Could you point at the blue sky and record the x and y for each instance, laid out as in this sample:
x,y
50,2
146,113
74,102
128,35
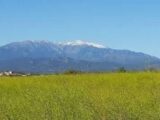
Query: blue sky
x,y
120,24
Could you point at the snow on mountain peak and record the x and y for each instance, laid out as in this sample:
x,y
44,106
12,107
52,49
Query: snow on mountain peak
x,y
81,42
45,42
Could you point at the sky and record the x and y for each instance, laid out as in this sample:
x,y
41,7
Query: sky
x,y
119,24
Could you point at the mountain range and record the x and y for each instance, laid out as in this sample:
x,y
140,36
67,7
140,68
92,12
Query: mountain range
x,y
48,57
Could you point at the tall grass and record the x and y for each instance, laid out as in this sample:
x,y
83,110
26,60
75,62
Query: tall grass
x,y
112,96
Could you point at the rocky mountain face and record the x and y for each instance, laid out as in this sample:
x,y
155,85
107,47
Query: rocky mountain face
x,y
48,57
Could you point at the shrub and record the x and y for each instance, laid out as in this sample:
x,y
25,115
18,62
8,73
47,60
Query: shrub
x,y
122,69
72,72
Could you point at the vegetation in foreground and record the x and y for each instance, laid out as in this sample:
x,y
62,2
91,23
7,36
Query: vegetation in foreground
x,y
112,96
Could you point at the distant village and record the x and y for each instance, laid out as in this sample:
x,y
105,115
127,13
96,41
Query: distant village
x,y
11,73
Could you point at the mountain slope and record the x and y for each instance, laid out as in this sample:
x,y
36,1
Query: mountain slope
x,y
48,57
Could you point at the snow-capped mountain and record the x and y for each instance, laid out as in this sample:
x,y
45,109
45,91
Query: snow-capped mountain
x,y
47,57
82,43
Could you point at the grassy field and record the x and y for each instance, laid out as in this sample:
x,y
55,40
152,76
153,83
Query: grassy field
x,y
112,96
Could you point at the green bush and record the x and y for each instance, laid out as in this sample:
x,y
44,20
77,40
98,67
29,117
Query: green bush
x,y
72,72
122,69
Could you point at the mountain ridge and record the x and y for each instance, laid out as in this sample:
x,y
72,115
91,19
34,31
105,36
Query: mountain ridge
x,y
28,56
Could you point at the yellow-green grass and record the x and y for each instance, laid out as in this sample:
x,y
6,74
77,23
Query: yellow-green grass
x,y
112,96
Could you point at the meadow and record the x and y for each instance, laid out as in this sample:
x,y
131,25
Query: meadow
x,y
103,96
